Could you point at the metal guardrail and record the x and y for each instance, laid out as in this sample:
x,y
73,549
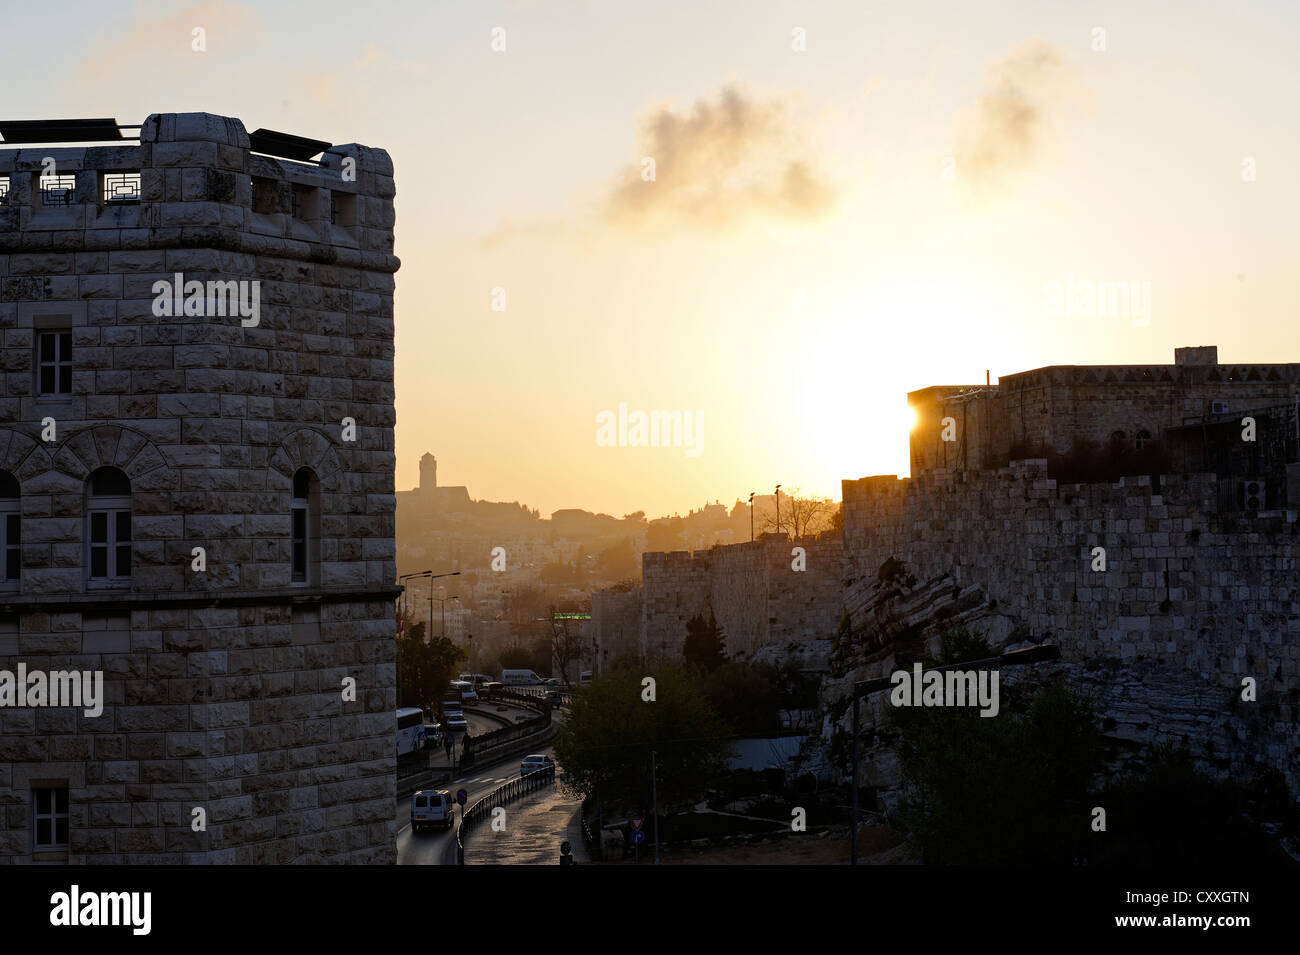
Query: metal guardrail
x,y
499,797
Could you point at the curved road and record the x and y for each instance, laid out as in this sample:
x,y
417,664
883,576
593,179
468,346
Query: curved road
x,y
433,846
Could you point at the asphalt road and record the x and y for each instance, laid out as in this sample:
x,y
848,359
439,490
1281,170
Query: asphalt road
x,y
433,847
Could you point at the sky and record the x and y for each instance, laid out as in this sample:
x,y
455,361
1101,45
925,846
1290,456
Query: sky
x,y
847,201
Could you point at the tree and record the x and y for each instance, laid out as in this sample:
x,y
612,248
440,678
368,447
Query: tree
x,y
618,561
1010,790
801,516
606,742
665,534
566,644
705,643
746,697
425,669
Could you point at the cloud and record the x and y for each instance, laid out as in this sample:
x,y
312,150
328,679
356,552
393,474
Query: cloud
x,y
136,50
1005,134
727,159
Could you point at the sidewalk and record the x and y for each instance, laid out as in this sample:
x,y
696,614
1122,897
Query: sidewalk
x,y
536,824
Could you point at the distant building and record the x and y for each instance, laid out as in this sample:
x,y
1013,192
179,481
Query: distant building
x,y
1191,410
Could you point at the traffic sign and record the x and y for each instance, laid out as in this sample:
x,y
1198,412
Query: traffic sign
x,y
638,837
461,796
636,822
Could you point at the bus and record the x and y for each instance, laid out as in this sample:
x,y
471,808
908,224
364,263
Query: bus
x,y
410,730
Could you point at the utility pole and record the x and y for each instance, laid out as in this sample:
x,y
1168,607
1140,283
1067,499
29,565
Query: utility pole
x,y
778,509
751,517
654,799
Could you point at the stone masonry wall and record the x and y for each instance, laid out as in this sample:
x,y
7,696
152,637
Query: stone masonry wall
x,y
1206,594
223,686
750,588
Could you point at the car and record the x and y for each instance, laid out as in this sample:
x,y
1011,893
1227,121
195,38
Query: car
x,y
455,720
551,681
432,735
553,696
432,807
534,763
491,690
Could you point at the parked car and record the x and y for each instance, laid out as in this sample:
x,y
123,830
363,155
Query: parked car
x,y
432,807
532,764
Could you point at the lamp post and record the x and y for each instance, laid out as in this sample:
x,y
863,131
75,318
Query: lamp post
x,y
778,509
422,573
429,633
443,601
751,517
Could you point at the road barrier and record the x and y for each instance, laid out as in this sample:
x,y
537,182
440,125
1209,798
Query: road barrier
x,y
499,797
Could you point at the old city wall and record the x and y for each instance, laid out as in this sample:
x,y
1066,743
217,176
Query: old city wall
x,y
752,590
1209,595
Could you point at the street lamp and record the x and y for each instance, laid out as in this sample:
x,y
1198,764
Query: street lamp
x,y
443,602
422,573
751,517
778,509
455,573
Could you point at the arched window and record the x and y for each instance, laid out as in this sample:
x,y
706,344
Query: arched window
x,y
11,541
1143,437
304,547
108,526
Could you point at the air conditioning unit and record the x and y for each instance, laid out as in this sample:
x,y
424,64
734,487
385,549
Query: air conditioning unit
x,y
1253,495
1218,407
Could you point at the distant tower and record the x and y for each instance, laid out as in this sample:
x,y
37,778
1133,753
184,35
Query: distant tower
x,y
428,476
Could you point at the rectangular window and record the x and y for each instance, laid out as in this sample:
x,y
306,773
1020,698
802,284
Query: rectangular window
x,y
50,818
121,187
110,543
4,190
57,190
300,544
11,545
54,362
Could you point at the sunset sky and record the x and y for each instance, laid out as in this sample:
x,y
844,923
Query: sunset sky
x,y
801,260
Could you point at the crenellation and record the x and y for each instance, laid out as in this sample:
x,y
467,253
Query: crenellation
x,y
204,702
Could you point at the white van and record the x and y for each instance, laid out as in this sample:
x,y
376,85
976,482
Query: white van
x,y
584,678
432,807
520,678
466,691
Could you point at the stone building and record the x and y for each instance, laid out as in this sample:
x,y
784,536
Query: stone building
x,y
196,470
1192,408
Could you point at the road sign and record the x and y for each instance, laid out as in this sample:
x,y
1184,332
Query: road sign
x,y
638,837
636,822
461,796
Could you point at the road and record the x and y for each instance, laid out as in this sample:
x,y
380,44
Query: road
x,y
431,847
